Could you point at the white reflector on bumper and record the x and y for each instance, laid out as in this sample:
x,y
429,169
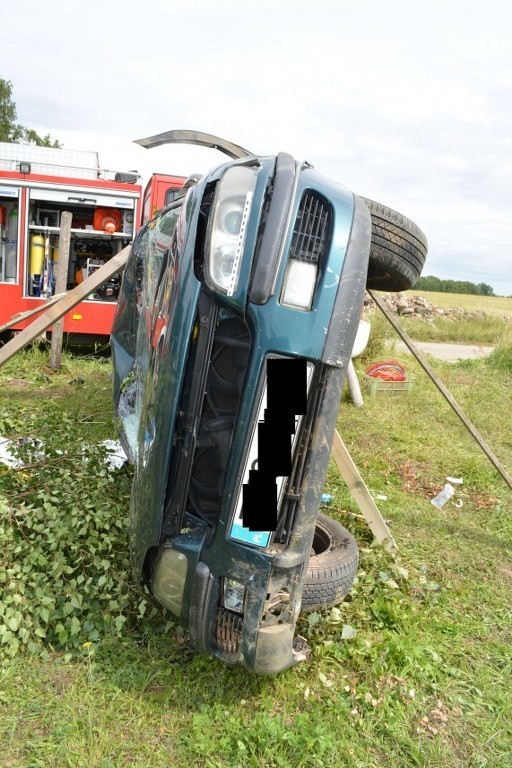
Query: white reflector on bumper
x,y
299,284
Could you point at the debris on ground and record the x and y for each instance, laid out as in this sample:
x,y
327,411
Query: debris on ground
x,y
443,496
9,449
417,306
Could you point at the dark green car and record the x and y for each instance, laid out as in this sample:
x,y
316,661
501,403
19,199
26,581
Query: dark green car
x,y
235,325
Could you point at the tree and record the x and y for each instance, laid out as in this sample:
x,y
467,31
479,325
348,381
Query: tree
x,y
431,283
485,290
10,130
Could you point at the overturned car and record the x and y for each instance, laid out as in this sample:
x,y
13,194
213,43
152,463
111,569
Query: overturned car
x,y
237,316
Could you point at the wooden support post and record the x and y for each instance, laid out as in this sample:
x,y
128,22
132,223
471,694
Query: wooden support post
x,y
443,390
61,285
353,385
361,494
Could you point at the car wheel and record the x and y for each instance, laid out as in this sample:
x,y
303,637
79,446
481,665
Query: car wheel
x,y
398,250
332,565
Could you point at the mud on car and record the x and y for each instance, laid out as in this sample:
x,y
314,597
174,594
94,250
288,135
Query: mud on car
x,y
238,312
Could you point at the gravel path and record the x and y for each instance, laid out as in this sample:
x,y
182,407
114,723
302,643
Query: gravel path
x,y
448,352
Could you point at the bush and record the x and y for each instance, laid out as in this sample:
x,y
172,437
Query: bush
x,y
64,558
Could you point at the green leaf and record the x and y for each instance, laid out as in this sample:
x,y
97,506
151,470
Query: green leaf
x,y
75,626
119,621
400,571
348,632
325,680
14,621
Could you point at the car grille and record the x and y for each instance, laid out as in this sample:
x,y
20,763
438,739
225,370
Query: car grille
x,y
312,230
228,632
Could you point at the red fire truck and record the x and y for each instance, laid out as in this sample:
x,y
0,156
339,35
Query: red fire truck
x,y
36,185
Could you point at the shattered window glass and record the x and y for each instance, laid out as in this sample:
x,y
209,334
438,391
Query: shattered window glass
x,y
150,263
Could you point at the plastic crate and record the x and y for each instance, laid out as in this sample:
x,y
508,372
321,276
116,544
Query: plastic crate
x,y
380,387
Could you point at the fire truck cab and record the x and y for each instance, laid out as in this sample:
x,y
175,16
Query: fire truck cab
x,y
161,190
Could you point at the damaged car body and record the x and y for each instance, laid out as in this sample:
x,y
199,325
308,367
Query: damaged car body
x,y
238,312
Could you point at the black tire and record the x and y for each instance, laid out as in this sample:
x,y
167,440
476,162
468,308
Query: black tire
x,y
332,565
398,250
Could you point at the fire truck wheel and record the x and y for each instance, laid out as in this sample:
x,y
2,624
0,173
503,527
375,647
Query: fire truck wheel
x,y
398,250
332,565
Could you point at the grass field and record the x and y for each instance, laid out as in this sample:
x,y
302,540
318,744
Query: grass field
x,y
413,670
486,322
492,305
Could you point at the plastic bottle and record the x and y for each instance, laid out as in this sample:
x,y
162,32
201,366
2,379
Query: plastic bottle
x,y
444,496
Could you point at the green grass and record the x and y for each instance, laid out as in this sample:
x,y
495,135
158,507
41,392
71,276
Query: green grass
x,y
483,330
413,670
492,305
501,357
487,318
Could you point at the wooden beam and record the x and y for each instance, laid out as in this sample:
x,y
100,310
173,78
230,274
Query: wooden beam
x,y
20,316
443,390
361,494
116,264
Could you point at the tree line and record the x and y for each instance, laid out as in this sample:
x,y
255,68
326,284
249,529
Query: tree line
x,y
431,283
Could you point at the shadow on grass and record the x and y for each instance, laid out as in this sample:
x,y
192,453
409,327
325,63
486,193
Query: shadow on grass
x,y
168,671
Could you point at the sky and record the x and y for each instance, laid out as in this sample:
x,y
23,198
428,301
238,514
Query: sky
x,y
406,103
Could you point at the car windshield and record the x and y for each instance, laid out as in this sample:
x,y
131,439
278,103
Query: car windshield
x,y
150,258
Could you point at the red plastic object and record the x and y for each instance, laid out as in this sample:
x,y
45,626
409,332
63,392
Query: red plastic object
x,y
107,220
389,370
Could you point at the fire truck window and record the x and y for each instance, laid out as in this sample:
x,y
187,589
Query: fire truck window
x,y
171,195
8,240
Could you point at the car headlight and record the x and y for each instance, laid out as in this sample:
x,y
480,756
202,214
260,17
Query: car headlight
x,y
232,205
299,284
233,595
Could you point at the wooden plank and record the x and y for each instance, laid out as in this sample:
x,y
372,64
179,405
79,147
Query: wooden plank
x,y
61,284
443,390
116,264
20,316
361,494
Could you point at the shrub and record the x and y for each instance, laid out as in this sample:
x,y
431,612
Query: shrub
x,y
64,562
